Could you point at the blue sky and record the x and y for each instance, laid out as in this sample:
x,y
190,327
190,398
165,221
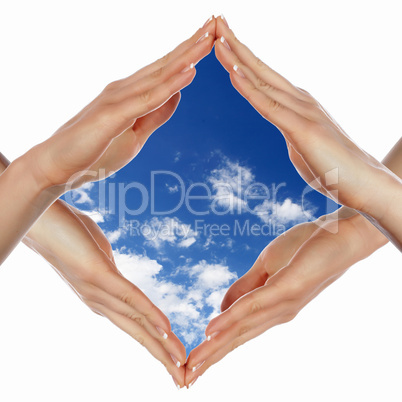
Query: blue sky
x,y
218,147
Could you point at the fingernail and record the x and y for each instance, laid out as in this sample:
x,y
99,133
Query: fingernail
x,y
195,368
176,383
192,382
225,43
224,20
175,360
212,336
188,68
238,71
208,21
200,39
162,332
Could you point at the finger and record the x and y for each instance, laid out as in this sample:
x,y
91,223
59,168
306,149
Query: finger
x,y
174,54
247,58
275,256
194,54
254,278
228,59
125,291
139,333
155,66
127,145
287,120
146,125
168,339
118,108
215,353
113,119
249,304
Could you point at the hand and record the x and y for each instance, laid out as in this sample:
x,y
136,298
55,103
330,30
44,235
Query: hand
x,y
112,129
288,274
321,151
80,253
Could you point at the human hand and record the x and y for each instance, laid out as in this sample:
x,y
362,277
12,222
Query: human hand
x,y
112,129
321,151
291,271
81,254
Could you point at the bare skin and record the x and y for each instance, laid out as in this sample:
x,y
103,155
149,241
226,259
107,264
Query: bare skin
x,y
106,135
102,138
111,130
323,154
77,249
298,265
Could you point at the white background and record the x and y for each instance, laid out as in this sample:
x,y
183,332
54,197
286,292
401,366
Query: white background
x,y
57,56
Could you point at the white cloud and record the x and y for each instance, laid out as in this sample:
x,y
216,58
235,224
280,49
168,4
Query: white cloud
x,y
204,285
229,183
158,232
172,189
80,195
187,242
211,276
114,235
284,212
177,156
235,185
208,242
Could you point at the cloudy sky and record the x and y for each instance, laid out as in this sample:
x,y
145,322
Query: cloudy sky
x,y
194,209
57,56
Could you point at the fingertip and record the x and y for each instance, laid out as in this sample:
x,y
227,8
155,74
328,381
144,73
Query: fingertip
x,y
221,25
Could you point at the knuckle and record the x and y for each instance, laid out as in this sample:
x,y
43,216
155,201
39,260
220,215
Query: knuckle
x,y
112,86
288,316
273,105
243,330
255,307
236,343
264,85
165,59
303,91
139,339
260,63
307,97
158,72
127,298
145,97
139,319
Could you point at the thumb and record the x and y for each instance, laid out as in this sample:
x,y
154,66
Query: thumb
x,y
275,256
146,125
254,278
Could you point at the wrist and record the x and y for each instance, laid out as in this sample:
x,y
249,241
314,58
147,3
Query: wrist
x,y
385,194
365,236
358,236
384,208
29,168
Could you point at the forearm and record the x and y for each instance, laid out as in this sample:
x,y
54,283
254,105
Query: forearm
x,y
386,213
361,232
22,202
